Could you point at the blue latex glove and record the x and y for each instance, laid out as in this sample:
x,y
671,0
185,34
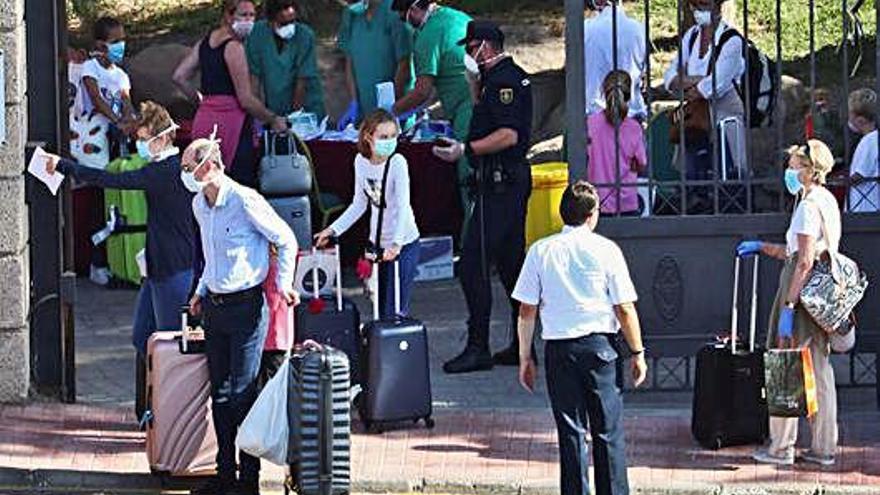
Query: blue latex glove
x,y
747,248
349,117
786,323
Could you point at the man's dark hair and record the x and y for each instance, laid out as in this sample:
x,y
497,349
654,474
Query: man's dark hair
x,y
579,201
273,7
103,26
496,45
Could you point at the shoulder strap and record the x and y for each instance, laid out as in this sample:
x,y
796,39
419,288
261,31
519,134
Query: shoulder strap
x,y
382,203
693,39
725,36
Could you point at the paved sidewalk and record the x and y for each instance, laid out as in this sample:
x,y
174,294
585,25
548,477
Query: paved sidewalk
x,y
490,435
506,448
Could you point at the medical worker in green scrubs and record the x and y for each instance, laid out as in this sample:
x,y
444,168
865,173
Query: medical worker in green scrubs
x,y
378,48
281,55
439,64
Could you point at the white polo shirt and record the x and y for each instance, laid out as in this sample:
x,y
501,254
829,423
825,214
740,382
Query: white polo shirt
x,y
575,278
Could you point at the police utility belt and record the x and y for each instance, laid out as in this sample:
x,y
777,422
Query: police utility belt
x,y
490,175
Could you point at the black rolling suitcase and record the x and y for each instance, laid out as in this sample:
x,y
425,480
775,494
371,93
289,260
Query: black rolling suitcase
x,y
337,324
319,416
396,375
730,407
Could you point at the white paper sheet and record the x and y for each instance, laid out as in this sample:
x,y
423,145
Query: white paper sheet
x,y
37,168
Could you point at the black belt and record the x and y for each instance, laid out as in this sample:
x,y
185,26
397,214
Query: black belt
x,y
235,297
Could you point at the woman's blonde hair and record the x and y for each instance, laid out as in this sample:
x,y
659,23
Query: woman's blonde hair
x,y
817,156
154,118
617,91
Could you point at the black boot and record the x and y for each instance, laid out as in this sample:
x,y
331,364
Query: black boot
x,y
473,358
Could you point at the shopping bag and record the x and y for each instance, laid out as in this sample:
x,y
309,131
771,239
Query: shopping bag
x,y
790,382
264,431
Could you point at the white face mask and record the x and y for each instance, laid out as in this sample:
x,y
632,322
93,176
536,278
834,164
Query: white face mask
x,y
242,28
703,17
470,63
286,31
189,180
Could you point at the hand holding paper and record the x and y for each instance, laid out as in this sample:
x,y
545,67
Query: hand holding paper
x,y
43,166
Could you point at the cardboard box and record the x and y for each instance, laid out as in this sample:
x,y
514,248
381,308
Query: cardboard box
x,y
435,259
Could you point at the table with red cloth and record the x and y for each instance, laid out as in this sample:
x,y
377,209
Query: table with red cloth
x,y
433,189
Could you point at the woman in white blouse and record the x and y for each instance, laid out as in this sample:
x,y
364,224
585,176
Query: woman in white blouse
x,y
716,82
815,228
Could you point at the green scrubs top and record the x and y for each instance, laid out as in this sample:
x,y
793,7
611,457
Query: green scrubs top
x,y
375,46
278,70
436,53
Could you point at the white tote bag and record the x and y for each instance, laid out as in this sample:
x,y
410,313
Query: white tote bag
x,y
264,432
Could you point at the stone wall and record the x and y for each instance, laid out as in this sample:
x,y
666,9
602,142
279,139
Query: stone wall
x,y
14,266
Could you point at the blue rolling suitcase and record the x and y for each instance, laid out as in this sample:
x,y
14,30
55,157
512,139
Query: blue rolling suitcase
x,y
395,374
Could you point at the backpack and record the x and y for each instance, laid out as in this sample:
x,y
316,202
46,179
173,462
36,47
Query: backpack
x,y
763,88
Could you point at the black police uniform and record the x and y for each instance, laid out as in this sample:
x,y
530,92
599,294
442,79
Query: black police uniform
x,y
497,230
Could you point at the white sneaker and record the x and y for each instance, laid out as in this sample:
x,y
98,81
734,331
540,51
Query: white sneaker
x,y
820,459
764,456
100,276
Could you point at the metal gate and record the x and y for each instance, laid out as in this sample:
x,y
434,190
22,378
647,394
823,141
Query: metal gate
x,y
681,260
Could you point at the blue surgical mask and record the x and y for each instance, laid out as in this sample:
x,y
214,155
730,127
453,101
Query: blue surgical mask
x,y
116,52
359,7
385,147
143,149
793,181
286,31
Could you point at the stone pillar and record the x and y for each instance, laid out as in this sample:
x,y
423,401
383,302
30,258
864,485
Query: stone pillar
x,y
14,266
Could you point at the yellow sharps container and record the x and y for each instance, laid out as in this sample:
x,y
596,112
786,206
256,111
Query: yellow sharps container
x,y
549,181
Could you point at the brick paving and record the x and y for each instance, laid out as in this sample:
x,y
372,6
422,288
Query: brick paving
x,y
508,447
489,432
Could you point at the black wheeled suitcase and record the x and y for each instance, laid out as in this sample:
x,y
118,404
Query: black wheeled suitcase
x,y
319,416
337,322
396,375
730,406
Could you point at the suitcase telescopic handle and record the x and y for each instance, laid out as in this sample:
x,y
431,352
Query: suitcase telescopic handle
x,y
337,253
184,328
396,289
753,311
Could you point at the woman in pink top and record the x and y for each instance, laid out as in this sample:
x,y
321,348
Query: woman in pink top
x,y
632,159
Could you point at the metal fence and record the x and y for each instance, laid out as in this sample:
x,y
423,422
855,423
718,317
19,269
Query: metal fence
x,y
667,188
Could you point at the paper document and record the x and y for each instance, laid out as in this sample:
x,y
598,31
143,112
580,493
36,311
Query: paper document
x,y
385,97
37,168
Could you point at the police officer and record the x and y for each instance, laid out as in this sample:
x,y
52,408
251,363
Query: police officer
x,y
501,183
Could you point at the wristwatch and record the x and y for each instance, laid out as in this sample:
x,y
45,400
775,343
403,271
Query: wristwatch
x,y
640,351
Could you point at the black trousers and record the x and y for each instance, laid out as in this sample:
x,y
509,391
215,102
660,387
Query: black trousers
x,y
582,382
498,227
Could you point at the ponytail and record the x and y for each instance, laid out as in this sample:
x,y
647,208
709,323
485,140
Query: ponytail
x,y
617,88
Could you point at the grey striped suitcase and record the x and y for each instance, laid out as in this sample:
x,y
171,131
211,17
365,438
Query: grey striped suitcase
x,y
320,422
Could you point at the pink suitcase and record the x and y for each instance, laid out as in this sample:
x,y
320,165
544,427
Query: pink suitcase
x,y
180,431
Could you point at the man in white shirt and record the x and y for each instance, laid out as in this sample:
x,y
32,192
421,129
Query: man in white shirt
x,y
599,54
236,227
581,283
864,194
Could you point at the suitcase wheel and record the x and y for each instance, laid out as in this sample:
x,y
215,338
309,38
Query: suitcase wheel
x,y
429,423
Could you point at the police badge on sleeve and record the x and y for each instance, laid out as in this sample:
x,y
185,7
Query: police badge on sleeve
x,y
506,95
